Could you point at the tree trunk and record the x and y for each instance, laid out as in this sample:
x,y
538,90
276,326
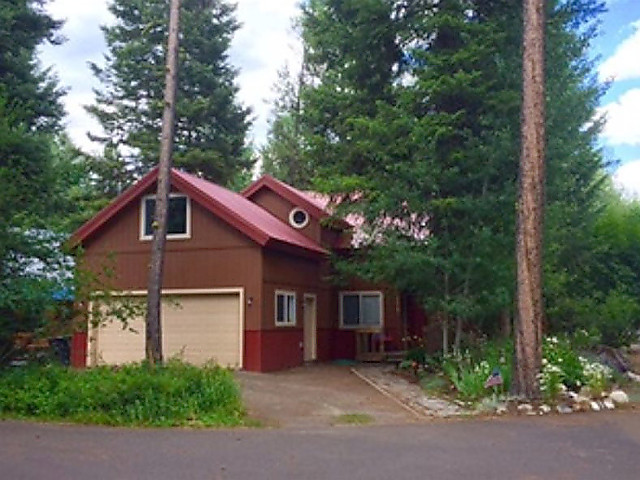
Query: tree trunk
x,y
153,340
505,323
445,318
445,334
530,207
457,339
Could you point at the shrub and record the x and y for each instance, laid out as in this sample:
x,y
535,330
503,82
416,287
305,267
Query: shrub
x,y
467,377
563,366
139,394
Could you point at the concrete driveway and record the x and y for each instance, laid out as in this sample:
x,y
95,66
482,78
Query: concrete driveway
x,y
316,395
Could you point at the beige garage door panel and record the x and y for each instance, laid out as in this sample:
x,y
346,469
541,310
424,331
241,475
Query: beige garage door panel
x,y
196,329
116,346
199,328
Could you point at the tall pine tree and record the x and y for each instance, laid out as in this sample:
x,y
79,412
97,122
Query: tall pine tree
x,y
413,111
210,124
30,115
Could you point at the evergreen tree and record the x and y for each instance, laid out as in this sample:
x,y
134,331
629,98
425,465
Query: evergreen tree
x,y
412,114
210,124
31,94
283,155
30,113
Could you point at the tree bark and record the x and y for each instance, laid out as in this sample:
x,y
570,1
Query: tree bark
x,y
153,340
531,207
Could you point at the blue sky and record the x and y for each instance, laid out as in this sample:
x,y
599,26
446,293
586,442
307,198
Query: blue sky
x,y
618,49
265,43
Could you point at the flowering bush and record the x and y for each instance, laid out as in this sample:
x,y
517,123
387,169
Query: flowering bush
x,y
551,380
466,376
597,376
562,368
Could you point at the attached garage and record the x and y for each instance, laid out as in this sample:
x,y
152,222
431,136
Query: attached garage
x,y
197,327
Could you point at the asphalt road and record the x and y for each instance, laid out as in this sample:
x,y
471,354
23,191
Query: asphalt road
x,y
586,446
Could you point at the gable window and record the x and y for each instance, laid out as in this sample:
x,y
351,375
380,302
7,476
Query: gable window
x,y
360,309
285,308
298,218
178,217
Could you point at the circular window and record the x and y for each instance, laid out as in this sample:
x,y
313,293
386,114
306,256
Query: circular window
x,y
298,218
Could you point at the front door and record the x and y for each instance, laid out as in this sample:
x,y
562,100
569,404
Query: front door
x,y
310,327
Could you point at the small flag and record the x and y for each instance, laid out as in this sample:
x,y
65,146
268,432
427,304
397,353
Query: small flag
x,y
494,379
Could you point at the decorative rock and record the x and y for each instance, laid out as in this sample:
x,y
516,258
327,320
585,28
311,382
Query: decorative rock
x,y
619,397
501,409
525,408
564,409
585,392
633,376
581,404
595,407
544,409
608,404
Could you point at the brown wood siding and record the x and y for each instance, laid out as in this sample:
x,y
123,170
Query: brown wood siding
x,y
281,208
301,275
216,256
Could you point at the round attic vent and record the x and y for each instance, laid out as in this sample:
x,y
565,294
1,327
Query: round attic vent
x,y
298,218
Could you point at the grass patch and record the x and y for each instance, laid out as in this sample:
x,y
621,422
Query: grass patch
x,y
435,384
134,395
354,419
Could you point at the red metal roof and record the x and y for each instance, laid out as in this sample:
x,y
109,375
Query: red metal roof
x,y
239,212
295,196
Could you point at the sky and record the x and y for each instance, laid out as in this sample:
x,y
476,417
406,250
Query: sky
x,y
265,43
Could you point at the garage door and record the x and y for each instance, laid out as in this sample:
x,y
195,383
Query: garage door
x,y
196,329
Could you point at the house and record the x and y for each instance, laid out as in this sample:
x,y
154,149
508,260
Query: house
x,y
246,278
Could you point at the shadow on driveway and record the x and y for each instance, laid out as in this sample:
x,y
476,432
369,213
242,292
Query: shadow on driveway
x,y
316,395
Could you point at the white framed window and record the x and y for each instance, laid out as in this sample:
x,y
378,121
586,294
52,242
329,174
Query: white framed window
x,y
178,218
285,308
298,218
361,309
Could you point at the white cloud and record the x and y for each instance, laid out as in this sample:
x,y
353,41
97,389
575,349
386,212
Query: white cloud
x,y
623,64
627,179
84,44
262,45
623,119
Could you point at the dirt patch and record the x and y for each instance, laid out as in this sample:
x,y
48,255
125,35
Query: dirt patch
x,y
316,395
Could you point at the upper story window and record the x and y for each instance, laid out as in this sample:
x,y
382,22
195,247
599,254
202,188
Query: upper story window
x,y
178,220
298,218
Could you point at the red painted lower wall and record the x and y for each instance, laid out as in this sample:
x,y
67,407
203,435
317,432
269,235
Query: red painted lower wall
x,y
271,350
79,350
252,351
343,344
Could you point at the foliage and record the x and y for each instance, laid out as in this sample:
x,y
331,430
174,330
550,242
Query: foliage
x,y
468,378
30,115
416,131
210,124
283,155
31,94
601,295
176,394
564,368
469,371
